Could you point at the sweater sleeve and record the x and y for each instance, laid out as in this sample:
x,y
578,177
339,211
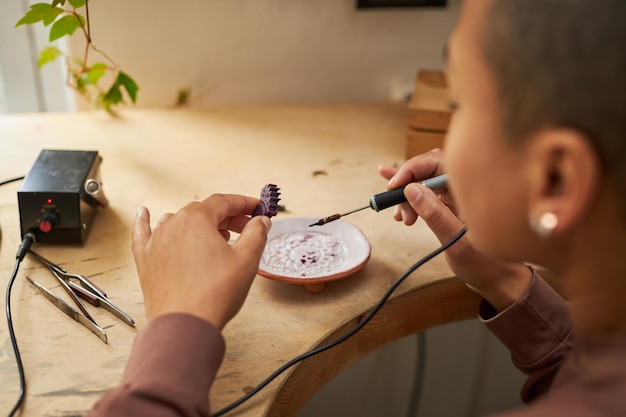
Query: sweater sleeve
x,y
171,367
538,332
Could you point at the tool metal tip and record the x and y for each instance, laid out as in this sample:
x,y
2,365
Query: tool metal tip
x,y
325,220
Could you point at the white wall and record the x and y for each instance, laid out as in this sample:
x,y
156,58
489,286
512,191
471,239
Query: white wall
x,y
23,86
18,77
268,51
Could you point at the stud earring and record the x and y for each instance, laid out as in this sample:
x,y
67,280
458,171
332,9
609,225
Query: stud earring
x,y
544,225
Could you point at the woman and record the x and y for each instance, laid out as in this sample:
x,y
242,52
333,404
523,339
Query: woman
x,y
535,160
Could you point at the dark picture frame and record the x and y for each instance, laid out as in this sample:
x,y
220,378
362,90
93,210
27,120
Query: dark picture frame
x,y
369,4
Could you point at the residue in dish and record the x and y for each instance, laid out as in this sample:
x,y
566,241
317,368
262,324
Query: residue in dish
x,y
304,254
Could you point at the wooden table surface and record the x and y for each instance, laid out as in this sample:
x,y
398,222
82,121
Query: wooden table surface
x,y
325,160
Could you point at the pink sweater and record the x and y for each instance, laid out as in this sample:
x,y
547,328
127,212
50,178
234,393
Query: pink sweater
x,y
567,376
176,357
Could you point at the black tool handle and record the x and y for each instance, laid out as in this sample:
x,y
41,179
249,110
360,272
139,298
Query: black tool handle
x,y
387,199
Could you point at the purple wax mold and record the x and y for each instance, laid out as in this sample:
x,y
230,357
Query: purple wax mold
x,y
269,201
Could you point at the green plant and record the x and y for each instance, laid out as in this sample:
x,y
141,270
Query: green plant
x,y
87,79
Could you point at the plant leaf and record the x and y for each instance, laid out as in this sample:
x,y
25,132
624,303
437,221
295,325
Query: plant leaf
x,y
129,84
40,12
113,96
77,3
56,2
66,25
96,72
47,55
81,82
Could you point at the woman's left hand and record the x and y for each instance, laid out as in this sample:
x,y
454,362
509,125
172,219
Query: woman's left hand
x,y
186,264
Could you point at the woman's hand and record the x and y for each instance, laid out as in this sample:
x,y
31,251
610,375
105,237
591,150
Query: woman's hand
x,y
500,283
185,264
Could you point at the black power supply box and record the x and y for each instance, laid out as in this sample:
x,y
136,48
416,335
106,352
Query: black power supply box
x,y
60,196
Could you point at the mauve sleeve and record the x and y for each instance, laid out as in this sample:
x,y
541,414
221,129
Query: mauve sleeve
x,y
537,330
170,370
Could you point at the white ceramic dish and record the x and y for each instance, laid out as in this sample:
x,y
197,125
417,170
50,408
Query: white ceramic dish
x,y
311,256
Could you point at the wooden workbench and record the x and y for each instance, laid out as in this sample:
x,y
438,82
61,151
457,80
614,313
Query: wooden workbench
x,y
325,160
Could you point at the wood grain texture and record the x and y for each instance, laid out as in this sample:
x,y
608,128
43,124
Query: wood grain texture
x,y
163,158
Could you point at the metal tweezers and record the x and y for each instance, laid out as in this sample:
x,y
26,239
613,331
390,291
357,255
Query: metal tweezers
x,y
86,290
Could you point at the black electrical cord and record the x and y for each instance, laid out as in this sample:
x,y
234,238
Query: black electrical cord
x,y
348,335
11,180
18,358
27,242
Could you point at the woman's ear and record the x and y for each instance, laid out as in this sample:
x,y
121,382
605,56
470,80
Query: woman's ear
x,y
564,178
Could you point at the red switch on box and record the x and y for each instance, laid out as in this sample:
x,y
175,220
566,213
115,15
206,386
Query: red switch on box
x,y
48,222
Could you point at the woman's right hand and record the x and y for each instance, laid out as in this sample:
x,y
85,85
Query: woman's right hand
x,y
500,283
